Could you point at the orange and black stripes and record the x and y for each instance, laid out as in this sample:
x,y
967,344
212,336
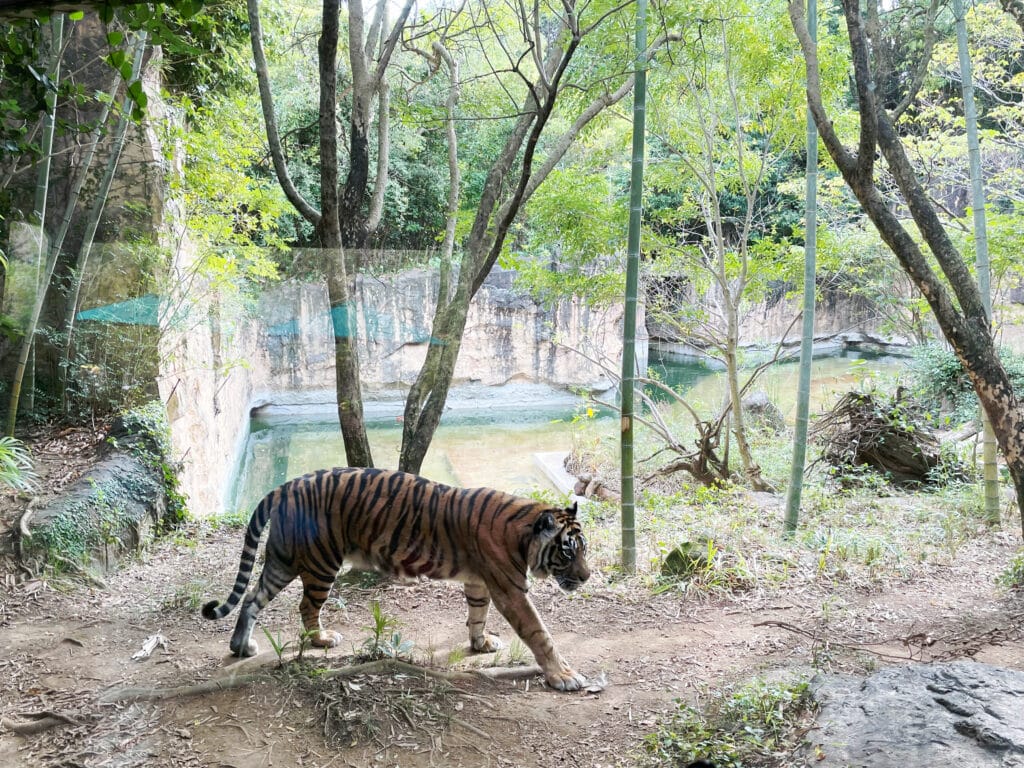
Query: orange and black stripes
x,y
409,527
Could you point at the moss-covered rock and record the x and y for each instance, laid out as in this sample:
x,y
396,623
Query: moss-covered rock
x,y
116,507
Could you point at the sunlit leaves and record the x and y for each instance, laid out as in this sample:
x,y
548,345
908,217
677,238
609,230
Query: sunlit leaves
x,y
936,126
575,228
232,213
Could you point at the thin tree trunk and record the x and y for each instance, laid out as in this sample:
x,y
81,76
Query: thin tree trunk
x,y
41,198
343,311
307,211
416,435
803,394
990,470
356,223
628,380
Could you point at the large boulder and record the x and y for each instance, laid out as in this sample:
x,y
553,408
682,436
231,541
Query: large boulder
x,y
961,713
114,509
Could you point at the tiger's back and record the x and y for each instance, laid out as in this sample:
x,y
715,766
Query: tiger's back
x,y
410,527
399,524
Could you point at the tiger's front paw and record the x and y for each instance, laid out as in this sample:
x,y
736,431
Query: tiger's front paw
x,y
325,638
486,643
565,679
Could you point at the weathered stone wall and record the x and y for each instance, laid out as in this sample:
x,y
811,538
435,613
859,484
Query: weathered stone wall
x,y
839,319
218,367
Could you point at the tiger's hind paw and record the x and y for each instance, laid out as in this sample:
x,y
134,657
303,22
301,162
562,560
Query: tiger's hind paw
x,y
566,680
245,651
486,643
325,638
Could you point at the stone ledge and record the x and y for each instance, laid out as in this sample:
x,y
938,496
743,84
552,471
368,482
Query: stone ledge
x,y
962,713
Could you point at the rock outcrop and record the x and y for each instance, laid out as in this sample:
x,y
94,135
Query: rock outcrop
x,y
962,713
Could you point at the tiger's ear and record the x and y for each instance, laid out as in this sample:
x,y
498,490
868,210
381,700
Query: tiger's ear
x,y
545,526
573,509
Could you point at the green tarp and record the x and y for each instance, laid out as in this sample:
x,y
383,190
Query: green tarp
x,y
144,310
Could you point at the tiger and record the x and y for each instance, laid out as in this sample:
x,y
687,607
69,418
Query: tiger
x,y
406,526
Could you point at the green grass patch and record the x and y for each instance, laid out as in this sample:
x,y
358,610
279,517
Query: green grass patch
x,y
756,724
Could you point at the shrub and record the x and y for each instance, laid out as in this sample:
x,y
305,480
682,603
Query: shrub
x,y
749,726
942,386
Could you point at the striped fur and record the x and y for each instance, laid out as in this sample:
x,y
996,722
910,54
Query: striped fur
x,y
410,527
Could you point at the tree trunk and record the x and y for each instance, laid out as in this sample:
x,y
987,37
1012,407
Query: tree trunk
x,y
343,314
628,381
990,470
425,401
803,397
964,323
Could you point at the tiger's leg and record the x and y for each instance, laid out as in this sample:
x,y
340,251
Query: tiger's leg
x,y
314,594
274,578
479,600
520,613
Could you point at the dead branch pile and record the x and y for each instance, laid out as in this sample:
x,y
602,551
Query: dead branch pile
x,y
889,435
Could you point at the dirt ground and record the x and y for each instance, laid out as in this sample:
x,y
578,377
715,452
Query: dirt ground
x,y
66,645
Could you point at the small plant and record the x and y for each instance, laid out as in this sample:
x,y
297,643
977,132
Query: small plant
x,y
276,643
147,433
701,564
735,729
456,656
513,656
238,518
188,596
306,642
385,641
16,469
1013,576
517,653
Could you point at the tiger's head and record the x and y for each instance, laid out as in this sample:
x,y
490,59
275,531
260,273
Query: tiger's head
x,y
559,548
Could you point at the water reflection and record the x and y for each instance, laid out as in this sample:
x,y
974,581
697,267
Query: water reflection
x,y
495,446
705,387
468,454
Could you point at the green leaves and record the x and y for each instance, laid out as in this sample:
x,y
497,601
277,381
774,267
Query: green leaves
x,y
16,469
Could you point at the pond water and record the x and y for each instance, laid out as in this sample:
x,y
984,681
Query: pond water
x,y
495,445
830,373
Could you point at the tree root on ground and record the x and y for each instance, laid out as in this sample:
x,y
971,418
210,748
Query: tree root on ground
x,y
891,435
37,722
382,666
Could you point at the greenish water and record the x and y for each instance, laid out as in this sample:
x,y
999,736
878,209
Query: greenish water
x,y
467,454
705,388
495,446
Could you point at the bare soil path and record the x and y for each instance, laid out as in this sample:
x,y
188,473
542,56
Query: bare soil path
x,y
64,643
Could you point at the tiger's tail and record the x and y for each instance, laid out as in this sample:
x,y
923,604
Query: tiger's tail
x,y
258,521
